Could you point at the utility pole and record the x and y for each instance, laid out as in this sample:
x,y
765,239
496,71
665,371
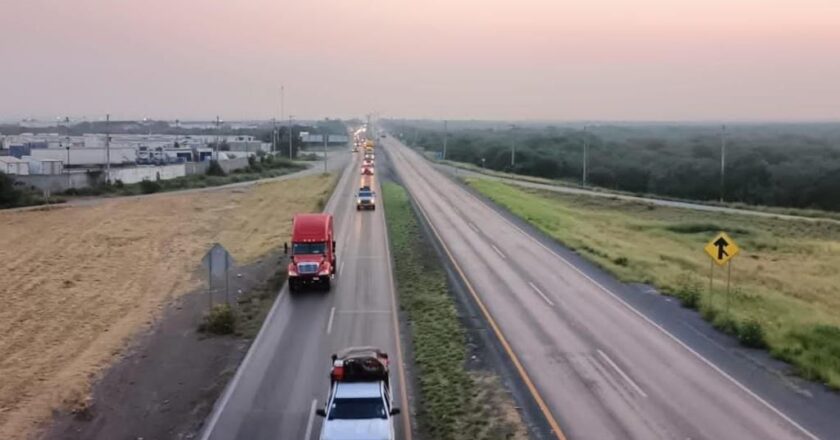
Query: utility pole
x,y
218,129
326,135
722,160
290,137
512,147
107,149
585,152
282,98
445,135
273,135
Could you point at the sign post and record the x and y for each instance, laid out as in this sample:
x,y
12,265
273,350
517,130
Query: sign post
x,y
218,258
722,249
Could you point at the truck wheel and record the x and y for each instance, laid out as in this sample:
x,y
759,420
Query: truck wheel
x,y
293,285
326,284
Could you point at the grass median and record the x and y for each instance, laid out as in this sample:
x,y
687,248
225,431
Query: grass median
x,y
455,403
784,283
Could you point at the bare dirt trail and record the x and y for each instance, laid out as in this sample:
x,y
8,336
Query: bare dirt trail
x,y
77,282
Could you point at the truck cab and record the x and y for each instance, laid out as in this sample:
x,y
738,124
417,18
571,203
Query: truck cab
x,y
359,404
312,261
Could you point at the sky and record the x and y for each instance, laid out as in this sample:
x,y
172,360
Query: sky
x,y
593,60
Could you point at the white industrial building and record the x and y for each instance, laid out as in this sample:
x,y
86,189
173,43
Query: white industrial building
x,y
13,165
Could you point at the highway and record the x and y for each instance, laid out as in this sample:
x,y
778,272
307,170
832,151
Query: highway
x,y
597,367
284,376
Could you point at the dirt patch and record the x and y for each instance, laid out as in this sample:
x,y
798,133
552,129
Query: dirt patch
x,y
166,385
80,281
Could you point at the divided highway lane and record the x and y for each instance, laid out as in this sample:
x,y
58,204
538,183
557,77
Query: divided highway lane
x,y
602,369
284,377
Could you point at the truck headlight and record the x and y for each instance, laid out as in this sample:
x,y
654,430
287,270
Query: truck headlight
x,y
324,272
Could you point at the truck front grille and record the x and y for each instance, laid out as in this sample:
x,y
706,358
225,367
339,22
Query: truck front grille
x,y
307,268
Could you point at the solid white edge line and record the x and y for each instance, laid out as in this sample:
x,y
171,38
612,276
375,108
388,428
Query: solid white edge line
x,y
221,403
544,297
341,268
498,251
311,420
622,373
330,322
472,226
714,367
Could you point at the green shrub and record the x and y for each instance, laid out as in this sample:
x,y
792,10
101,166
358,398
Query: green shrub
x,y
621,261
220,321
215,169
149,186
751,334
726,324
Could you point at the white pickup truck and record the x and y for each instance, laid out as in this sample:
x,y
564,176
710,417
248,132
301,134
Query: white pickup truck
x,y
359,405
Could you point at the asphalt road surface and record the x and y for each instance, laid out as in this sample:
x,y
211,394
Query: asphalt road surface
x,y
449,169
597,366
284,377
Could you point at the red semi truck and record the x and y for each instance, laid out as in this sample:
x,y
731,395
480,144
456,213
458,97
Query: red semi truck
x,y
312,261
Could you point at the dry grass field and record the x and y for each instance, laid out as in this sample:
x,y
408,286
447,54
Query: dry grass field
x,y
79,281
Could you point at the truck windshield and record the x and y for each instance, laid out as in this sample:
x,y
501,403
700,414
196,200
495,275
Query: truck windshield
x,y
358,408
365,193
308,248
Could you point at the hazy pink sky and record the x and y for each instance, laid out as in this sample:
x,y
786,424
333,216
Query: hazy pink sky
x,y
570,60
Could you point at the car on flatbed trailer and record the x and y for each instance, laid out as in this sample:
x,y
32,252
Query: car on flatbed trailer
x,y
359,404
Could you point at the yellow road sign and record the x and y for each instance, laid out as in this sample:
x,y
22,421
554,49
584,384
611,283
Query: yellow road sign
x,y
722,248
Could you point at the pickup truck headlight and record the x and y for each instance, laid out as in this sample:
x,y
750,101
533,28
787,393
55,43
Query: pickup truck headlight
x,y
324,272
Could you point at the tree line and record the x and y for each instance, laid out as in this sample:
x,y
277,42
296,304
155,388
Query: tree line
x,y
788,165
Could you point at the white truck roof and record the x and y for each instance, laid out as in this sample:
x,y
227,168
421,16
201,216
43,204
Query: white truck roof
x,y
357,390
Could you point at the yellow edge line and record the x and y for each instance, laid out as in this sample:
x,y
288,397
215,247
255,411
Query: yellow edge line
x,y
519,367
400,370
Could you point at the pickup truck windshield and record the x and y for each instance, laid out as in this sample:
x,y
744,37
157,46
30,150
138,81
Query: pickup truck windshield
x,y
308,248
356,409
365,193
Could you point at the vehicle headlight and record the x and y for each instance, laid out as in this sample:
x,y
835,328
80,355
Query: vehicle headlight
x,y
324,272
358,201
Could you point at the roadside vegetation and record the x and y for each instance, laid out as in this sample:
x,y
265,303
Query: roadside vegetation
x,y
785,283
244,318
14,196
455,403
784,165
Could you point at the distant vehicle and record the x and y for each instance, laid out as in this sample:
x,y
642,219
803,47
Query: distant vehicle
x,y
355,149
365,199
367,163
313,259
369,156
367,170
359,404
